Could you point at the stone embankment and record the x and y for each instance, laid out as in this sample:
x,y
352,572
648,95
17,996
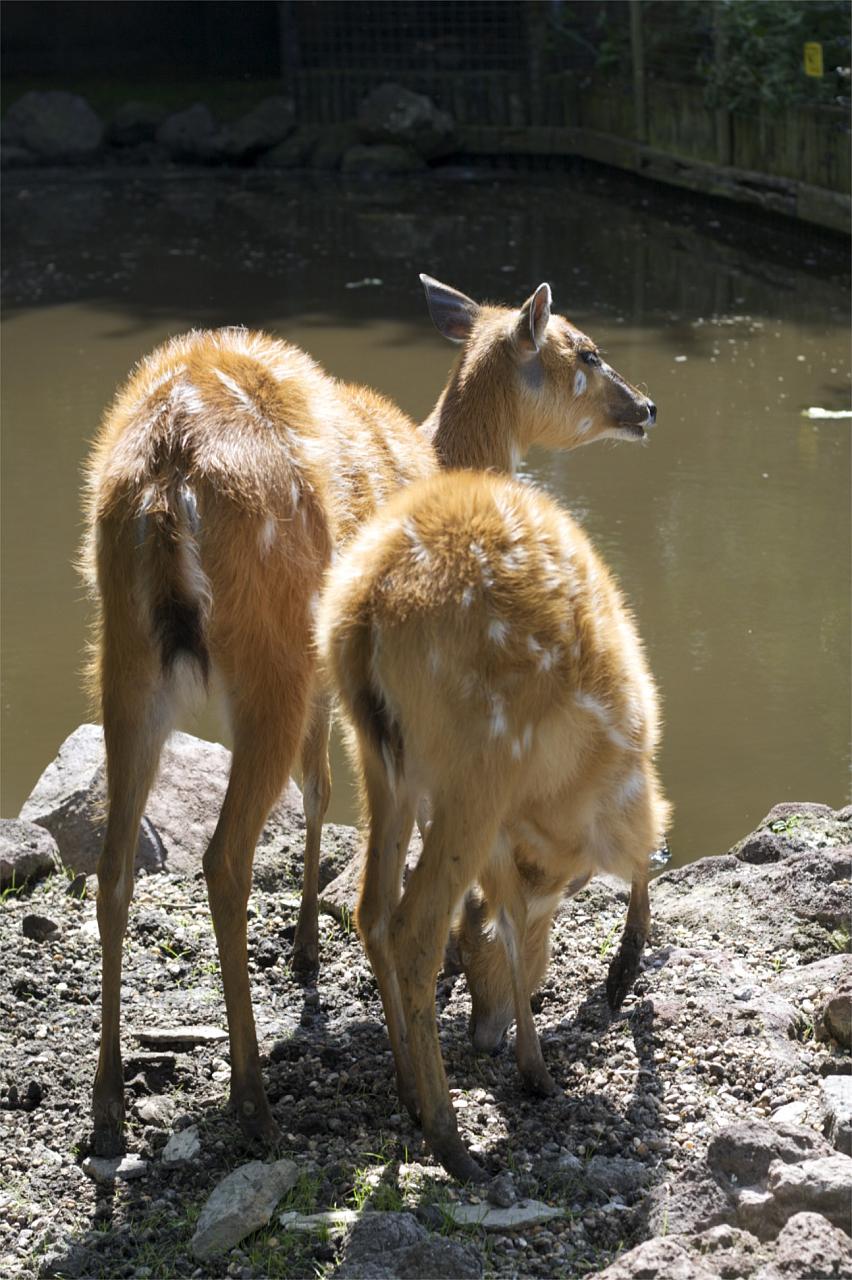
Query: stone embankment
x,y
396,131
704,1132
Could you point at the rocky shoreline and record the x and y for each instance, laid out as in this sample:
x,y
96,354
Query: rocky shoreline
x,y
705,1131
396,131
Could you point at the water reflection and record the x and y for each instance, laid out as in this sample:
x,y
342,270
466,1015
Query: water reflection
x,y
729,531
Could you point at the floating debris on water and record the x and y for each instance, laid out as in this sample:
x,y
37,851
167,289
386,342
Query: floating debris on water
x,y
815,412
366,283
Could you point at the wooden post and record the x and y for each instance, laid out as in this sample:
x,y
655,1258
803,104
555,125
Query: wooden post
x,y
637,48
723,116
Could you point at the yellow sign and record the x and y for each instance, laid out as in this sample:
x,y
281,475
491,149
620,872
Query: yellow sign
x,y
813,59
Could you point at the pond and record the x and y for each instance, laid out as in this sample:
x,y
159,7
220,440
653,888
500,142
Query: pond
x,y
729,531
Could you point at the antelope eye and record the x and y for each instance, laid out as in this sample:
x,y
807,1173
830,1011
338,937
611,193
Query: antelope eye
x,y
591,358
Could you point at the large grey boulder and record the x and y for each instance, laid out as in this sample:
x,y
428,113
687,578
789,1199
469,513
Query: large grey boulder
x,y
810,1248
394,114
27,851
180,816
821,1186
665,1259
742,1153
266,125
189,134
395,1246
837,1103
54,125
835,1020
241,1203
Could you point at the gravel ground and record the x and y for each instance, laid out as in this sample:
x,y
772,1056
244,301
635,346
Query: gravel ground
x,y
720,1026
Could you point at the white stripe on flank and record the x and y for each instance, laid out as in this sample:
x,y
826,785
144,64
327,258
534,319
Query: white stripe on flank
x,y
579,382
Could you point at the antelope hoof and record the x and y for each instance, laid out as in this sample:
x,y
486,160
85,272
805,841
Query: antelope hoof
x,y
457,1160
305,961
108,1127
256,1121
539,1081
624,968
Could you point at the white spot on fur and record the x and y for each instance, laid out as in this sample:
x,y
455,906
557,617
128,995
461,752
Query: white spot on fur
x,y
533,646
631,788
482,558
418,548
515,559
267,536
584,425
467,597
497,715
527,737
514,458
295,495
237,392
579,382
549,658
185,395
498,631
434,660
603,714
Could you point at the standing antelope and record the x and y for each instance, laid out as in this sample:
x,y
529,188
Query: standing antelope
x,y
227,473
486,658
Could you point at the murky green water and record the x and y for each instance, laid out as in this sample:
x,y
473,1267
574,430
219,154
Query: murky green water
x,y
729,532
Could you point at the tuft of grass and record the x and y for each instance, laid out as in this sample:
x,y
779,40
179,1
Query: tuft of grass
x,y
840,939
302,1196
606,945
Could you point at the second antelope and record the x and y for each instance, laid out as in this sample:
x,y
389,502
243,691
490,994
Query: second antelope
x,y
226,475
486,658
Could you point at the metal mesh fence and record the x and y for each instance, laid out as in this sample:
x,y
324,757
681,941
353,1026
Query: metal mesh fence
x,y
720,81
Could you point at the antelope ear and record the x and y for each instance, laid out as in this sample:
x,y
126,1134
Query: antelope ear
x,y
453,313
532,321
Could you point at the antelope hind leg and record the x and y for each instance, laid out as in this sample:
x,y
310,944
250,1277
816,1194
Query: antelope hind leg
x,y
624,967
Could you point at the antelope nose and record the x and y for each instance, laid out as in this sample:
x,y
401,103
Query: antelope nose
x,y
652,413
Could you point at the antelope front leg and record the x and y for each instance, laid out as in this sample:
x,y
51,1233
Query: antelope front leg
x,y
624,967
316,789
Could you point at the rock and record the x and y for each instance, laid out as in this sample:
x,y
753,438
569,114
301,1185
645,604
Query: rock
x,y
694,1202
837,1102
821,1186
135,122
664,1259
761,847
181,1037
332,144
266,125
741,1154
189,134
294,152
385,157
40,928
241,1203
154,1070
181,1148
107,1170
339,898
730,1252
810,1248
835,1018
27,851
78,886
54,125
328,1220
394,114
180,815
13,157
523,1213
615,1175
156,1111
501,1191
387,1246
